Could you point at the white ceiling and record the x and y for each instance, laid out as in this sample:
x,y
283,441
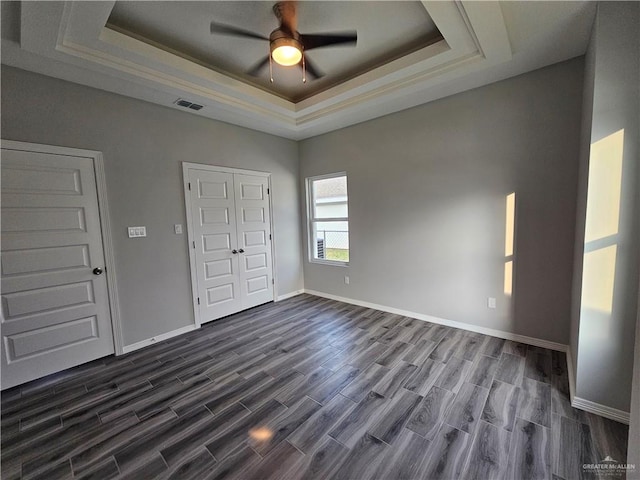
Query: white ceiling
x,y
482,42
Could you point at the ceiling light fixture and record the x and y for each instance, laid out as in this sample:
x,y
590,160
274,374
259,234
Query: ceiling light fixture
x,y
286,50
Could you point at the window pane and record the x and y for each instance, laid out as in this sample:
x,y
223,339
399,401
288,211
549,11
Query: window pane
x,y
331,241
330,198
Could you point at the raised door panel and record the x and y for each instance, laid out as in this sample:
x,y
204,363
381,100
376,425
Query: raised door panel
x,y
55,312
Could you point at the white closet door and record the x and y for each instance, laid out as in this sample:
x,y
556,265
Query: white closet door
x,y
214,234
254,239
55,312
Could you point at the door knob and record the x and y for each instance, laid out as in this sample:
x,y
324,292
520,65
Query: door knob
x,y
97,271
234,251
241,251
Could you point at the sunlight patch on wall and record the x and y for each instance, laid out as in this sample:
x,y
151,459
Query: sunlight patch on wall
x,y
599,270
605,182
509,238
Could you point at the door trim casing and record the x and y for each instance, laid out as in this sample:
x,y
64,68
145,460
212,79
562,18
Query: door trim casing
x,y
105,223
187,203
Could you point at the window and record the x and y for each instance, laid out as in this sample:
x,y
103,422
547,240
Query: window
x,y
328,208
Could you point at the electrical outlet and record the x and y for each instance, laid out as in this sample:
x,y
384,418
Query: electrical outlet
x,y
346,279
491,302
178,229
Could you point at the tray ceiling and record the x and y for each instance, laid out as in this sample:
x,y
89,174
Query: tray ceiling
x,y
386,31
408,53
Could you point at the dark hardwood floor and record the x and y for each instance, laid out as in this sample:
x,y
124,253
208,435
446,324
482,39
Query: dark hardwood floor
x,y
309,388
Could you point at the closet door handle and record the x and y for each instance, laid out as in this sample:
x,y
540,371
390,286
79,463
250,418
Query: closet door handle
x,y
241,251
234,251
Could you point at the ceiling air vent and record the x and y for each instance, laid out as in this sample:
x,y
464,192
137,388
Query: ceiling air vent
x,y
184,103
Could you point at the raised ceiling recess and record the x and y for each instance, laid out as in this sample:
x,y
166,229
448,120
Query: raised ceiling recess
x,y
407,53
386,31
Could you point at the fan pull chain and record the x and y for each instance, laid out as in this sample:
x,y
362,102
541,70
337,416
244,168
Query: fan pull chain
x,y
270,68
304,70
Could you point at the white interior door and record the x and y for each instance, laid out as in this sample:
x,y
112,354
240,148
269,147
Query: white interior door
x,y
254,239
230,232
55,312
215,243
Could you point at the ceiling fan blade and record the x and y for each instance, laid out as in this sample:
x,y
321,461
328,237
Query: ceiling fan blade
x,y
255,70
222,29
311,68
318,40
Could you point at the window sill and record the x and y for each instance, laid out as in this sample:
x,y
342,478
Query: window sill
x,y
333,263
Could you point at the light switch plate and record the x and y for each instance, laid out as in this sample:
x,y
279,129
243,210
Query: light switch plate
x,y
135,232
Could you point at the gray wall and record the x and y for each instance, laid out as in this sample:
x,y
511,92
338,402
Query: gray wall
x,y
427,190
581,206
606,338
143,145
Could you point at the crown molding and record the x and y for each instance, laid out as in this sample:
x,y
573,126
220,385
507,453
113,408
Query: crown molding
x,y
474,36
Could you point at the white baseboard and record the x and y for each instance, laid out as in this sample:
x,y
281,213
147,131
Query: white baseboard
x,y
572,378
289,295
602,410
537,342
158,338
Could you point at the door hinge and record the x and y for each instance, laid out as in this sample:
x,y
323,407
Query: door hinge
x,y
189,185
273,282
194,244
269,236
268,191
198,300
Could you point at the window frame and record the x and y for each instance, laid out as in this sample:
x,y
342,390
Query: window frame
x,y
311,220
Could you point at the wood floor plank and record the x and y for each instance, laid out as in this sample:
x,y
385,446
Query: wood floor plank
x,y
277,463
422,379
363,460
306,437
326,390
285,424
510,369
501,405
251,425
483,371
320,464
447,455
538,364
407,461
393,354
394,379
493,347
573,447
447,346
236,465
489,455
530,455
362,385
535,402
177,448
467,407
193,467
395,416
349,430
430,413
453,374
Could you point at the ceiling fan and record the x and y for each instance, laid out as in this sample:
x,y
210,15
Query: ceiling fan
x,y
287,46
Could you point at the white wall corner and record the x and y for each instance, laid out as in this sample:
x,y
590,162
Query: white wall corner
x,y
289,295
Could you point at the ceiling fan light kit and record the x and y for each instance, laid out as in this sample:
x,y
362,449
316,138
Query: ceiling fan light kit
x,y
286,45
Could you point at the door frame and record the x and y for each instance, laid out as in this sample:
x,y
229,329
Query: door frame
x,y
105,224
190,236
